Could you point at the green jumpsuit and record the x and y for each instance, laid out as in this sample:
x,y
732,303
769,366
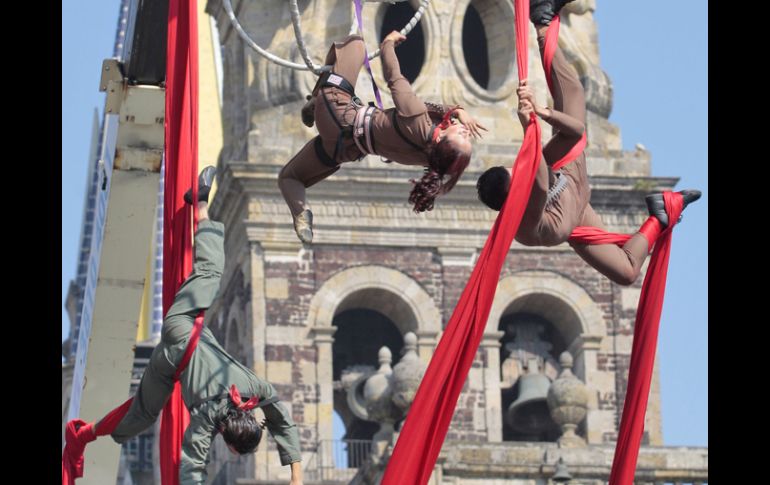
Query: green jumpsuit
x,y
207,379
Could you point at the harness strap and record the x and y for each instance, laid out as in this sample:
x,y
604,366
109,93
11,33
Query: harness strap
x,y
362,130
321,153
339,82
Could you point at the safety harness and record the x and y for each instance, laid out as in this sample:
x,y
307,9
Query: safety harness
x,y
364,138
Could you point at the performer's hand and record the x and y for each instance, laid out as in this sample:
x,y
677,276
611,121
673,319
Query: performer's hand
x,y
525,92
471,123
396,36
525,110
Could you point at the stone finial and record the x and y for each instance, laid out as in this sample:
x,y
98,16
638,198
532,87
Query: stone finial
x,y
568,403
385,357
378,391
407,374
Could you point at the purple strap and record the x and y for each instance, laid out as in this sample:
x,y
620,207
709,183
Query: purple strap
x,y
366,54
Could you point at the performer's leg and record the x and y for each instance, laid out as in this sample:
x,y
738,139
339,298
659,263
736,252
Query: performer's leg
x,y
347,57
621,265
302,171
154,390
568,98
200,289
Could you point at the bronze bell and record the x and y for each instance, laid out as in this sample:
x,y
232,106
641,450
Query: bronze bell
x,y
562,474
529,413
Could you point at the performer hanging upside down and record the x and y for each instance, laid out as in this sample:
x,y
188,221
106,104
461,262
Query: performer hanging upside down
x,y
560,200
213,381
413,133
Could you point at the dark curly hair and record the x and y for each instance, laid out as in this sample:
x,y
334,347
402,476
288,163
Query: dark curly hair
x,y
493,186
241,431
444,159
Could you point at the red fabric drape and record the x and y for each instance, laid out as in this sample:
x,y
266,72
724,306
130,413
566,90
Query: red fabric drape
x,y
645,339
643,348
181,162
78,433
594,235
181,127
425,428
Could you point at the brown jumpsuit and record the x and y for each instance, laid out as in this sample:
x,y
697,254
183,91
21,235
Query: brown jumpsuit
x,y
415,120
548,223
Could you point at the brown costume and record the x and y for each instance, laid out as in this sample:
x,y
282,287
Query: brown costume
x,y
560,200
322,156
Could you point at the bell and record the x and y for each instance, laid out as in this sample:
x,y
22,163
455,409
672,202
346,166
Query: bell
x,y
529,413
562,474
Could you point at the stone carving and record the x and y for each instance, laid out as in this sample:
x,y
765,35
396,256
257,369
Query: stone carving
x,y
407,374
527,344
568,402
384,396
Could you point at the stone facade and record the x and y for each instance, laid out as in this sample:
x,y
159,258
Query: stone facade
x,y
282,305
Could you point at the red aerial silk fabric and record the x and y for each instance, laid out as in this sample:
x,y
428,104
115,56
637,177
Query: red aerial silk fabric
x,y
78,433
423,433
645,340
181,159
181,127
594,235
426,426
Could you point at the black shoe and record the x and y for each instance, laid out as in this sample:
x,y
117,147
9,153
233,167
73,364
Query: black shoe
x,y
205,181
656,207
541,12
308,112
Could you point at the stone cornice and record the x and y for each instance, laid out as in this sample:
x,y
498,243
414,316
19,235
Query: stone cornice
x,y
493,460
368,206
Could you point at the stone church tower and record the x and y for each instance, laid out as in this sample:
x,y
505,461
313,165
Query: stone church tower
x,y
313,320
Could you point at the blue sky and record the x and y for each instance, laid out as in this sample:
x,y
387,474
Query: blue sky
x,y
655,53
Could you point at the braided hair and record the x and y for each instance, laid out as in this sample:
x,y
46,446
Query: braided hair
x,y
444,159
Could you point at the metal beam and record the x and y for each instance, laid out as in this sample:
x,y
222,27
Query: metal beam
x,y
125,214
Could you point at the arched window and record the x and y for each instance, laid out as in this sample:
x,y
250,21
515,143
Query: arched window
x,y
488,42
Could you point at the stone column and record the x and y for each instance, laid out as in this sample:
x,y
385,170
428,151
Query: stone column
x,y
586,367
490,346
323,339
256,272
426,344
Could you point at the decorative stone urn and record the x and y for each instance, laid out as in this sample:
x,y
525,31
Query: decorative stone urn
x,y
384,397
568,402
407,374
